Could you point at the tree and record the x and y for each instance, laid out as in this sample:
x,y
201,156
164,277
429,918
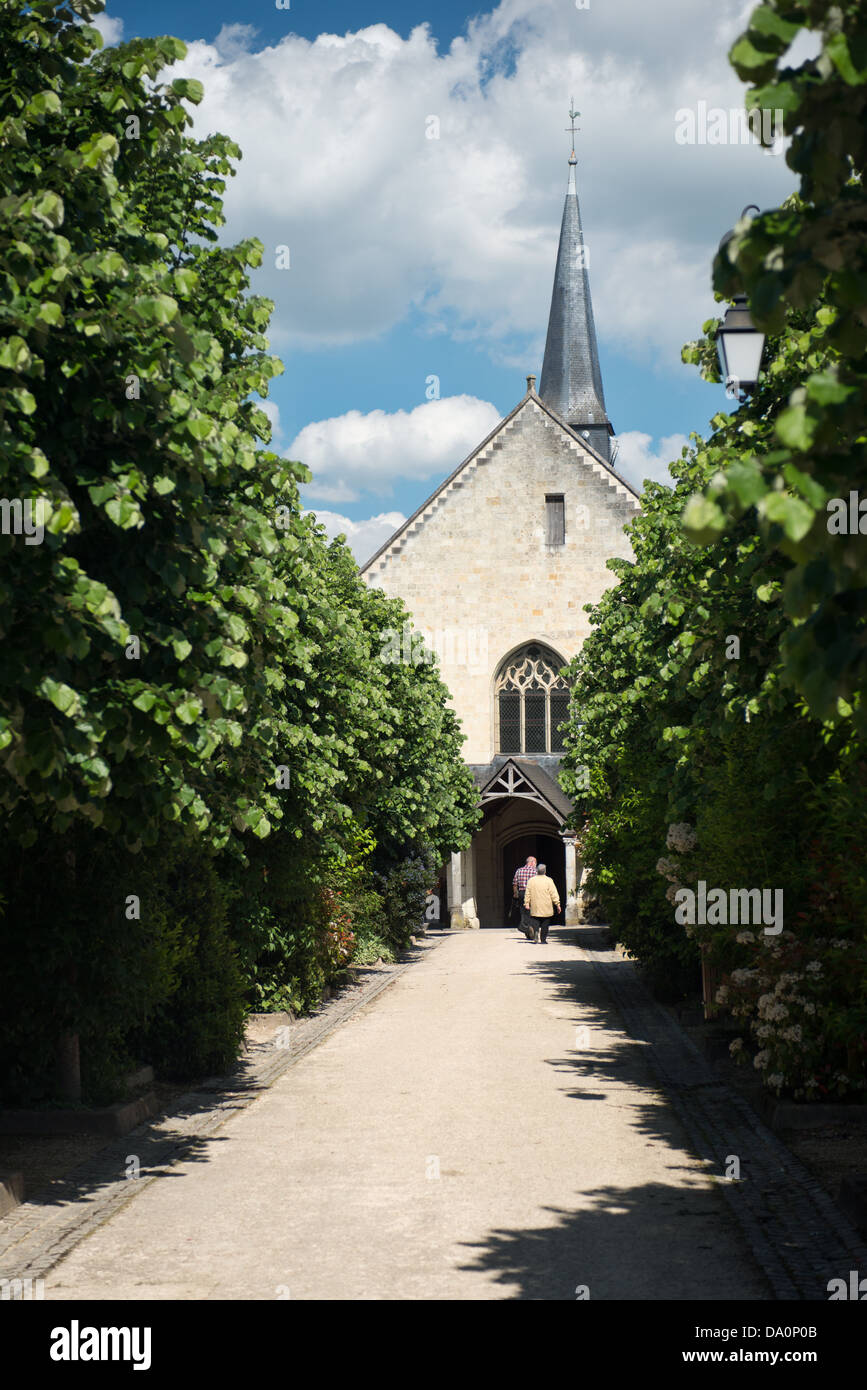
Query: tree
x,y
188,668
808,480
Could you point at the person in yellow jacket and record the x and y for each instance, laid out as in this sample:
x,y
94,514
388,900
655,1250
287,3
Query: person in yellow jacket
x,y
541,900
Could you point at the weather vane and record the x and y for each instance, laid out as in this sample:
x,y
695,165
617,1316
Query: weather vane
x,y
572,114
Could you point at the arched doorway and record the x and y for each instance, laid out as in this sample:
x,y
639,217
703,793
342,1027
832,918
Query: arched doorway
x,y
512,827
548,850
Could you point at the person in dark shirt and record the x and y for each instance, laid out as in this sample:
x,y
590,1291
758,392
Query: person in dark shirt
x,y
519,888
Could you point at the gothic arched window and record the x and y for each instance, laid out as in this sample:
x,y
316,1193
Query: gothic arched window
x,y
532,702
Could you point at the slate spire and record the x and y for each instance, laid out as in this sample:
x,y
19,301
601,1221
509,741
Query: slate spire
x,y
571,382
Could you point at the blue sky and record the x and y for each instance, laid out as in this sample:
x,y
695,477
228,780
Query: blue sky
x,y
202,19
413,257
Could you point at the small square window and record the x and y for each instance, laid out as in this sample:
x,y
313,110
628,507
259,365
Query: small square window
x,y
555,519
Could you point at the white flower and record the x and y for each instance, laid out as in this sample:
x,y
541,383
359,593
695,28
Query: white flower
x,y
742,977
671,891
809,1008
768,1007
722,994
668,868
745,937
761,1060
776,1080
736,1046
814,968
681,837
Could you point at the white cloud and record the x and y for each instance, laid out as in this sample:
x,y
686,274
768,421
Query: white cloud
x,y
235,39
363,537
110,28
637,459
381,220
354,453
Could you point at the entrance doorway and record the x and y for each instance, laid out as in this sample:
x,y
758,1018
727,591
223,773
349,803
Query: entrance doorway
x,y
549,850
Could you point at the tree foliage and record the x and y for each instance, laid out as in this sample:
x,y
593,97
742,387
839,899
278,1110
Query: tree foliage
x,y
718,703
797,466
189,667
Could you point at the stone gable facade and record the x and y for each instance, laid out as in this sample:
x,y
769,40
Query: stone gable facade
x,y
475,569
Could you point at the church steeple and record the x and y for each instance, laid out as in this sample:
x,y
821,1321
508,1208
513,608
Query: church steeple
x,y
571,382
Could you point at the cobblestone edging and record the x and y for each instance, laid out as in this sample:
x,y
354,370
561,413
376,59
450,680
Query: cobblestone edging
x,y
42,1231
793,1229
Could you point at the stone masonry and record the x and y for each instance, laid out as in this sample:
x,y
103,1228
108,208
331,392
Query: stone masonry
x,y
474,569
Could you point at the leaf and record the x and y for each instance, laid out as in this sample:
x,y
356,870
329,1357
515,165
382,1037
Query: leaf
x,y
199,426
63,697
186,282
189,88
124,512
766,20
813,491
49,209
25,400
98,492
37,464
794,515
43,104
15,354
744,479
702,520
826,388
50,312
796,428
160,308
837,49
745,57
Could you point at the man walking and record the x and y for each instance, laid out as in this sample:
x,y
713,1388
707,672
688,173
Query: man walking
x,y
541,900
519,888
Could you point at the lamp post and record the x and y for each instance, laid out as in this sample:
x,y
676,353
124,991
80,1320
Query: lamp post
x,y
739,343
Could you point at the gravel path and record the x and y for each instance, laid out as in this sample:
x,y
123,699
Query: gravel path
x,y
505,1121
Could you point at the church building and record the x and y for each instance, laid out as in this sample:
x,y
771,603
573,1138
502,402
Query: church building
x,y
495,568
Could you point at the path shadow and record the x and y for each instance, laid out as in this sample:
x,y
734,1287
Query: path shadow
x,y
645,1243
648,1241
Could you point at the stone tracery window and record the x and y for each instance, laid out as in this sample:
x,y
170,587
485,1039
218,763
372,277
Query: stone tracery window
x,y
532,702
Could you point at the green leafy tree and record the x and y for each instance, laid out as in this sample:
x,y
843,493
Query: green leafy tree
x,y
810,256
144,637
184,655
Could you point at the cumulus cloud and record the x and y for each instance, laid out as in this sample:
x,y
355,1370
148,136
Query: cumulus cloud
x,y
355,453
110,28
363,537
404,179
637,459
235,39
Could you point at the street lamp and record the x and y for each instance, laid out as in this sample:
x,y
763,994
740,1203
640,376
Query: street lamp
x,y
739,343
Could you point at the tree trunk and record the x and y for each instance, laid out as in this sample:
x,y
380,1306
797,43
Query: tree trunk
x,y
68,1072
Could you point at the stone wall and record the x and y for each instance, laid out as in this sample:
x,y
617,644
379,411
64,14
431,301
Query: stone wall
x,y
475,570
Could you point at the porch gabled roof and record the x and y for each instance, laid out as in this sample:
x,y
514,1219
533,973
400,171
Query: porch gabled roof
x,y
522,777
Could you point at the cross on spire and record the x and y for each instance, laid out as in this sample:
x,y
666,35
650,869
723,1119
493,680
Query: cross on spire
x,y
572,114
